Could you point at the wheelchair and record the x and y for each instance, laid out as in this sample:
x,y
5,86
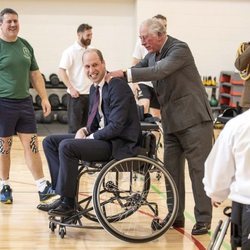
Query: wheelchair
x,y
134,199
221,231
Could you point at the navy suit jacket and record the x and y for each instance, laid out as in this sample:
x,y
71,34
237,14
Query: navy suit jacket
x,y
121,121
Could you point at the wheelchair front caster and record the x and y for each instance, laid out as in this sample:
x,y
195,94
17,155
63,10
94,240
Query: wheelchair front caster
x,y
62,231
52,226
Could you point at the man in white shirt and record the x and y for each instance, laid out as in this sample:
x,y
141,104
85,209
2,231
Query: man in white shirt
x,y
72,74
227,174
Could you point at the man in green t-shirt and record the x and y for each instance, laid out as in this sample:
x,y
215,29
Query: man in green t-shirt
x,y
18,68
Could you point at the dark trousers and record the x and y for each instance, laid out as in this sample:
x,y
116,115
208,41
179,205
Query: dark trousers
x,y
240,226
193,144
77,112
63,153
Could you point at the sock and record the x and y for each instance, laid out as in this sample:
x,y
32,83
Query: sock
x,y
4,182
41,184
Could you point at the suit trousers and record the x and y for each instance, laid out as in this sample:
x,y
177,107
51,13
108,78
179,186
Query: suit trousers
x,y
77,112
194,145
63,153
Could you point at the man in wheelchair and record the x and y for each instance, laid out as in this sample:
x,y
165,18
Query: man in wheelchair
x,y
113,131
227,175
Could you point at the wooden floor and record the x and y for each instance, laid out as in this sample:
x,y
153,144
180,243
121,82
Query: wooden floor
x,y
22,226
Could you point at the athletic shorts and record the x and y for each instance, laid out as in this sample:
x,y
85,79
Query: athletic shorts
x,y
148,93
17,116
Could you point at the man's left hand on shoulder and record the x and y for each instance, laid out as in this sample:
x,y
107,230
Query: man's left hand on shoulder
x,y
110,75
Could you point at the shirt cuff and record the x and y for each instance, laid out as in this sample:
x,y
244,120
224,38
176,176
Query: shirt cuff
x,y
91,136
129,75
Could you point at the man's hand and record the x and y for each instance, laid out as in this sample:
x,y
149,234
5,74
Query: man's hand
x,y
216,203
73,92
110,75
136,89
81,134
46,107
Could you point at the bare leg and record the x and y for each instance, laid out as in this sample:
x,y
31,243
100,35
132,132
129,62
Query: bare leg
x,y
5,148
32,155
155,112
145,103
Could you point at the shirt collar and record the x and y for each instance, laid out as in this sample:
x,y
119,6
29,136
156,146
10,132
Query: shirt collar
x,y
78,46
163,44
101,83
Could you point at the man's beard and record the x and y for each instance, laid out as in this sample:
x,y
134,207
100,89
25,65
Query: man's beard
x,y
85,42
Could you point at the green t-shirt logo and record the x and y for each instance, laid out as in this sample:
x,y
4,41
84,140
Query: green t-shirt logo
x,y
26,53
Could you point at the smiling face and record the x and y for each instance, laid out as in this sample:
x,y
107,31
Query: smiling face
x,y
9,27
94,66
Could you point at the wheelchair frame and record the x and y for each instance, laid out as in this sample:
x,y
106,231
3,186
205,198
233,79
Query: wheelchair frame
x,y
134,199
220,231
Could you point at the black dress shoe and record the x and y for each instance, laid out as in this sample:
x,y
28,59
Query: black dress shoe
x,y
201,228
62,210
47,207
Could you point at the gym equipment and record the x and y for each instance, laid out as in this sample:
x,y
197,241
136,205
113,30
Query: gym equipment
x,y
227,115
41,119
54,80
44,78
65,99
213,101
62,117
38,100
54,101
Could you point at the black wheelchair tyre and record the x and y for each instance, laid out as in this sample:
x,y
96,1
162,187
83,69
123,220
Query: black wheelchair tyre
x,y
138,203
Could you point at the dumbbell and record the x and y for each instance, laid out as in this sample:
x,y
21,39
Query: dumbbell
x,y
41,119
38,100
54,100
62,117
65,99
54,80
44,78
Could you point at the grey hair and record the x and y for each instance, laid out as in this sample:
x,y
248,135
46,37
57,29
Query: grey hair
x,y
154,26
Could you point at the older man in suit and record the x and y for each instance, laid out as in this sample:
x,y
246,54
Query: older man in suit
x,y
112,131
185,111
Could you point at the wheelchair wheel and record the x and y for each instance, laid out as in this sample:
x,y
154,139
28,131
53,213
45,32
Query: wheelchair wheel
x,y
132,203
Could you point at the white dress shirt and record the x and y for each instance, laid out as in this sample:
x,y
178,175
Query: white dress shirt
x,y
227,168
101,123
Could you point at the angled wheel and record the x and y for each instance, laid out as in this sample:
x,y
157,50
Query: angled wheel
x,y
52,226
62,231
137,209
